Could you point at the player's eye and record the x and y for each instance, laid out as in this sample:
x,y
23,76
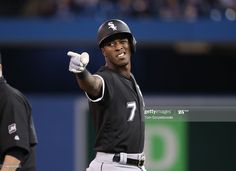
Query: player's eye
x,y
111,44
124,41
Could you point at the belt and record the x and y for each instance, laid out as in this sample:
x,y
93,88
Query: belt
x,y
129,161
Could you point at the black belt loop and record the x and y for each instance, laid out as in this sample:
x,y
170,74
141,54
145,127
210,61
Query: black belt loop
x,y
134,162
116,158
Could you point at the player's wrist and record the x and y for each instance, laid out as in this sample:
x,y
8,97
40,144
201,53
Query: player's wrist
x,y
82,75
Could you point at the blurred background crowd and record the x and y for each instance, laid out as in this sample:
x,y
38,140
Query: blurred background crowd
x,y
162,9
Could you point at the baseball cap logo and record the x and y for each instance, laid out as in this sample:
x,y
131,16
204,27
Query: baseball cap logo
x,y
112,26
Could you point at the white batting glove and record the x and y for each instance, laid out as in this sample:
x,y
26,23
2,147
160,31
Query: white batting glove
x,y
78,62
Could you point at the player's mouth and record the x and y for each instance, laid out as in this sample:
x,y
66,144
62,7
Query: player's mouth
x,y
121,55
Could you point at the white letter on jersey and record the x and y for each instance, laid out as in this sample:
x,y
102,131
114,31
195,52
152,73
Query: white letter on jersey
x,y
131,105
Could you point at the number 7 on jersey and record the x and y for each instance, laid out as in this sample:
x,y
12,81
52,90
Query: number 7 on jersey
x,y
133,107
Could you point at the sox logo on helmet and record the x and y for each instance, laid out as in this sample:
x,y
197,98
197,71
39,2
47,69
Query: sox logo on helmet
x,y
112,27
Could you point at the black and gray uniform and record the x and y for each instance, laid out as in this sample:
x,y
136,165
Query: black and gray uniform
x,y
118,114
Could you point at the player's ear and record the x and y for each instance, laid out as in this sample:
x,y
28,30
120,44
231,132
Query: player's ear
x,y
0,70
103,51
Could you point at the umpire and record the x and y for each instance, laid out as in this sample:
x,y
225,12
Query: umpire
x,y
17,132
115,100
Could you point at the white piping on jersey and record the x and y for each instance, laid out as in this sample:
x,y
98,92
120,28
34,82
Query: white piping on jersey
x,y
103,90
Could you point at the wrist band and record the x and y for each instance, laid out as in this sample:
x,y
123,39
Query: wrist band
x,y
82,75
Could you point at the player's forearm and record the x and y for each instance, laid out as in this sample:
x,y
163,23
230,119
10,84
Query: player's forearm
x,y
10,163
89,83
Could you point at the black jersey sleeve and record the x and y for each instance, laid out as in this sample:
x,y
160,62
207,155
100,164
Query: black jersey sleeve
x,y
101,95
107,87
17,152
14,127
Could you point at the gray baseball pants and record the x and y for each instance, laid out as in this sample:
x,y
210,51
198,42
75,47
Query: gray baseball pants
x,y
104,162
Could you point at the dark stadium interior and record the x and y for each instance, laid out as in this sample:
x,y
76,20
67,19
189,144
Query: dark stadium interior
x,y
160,69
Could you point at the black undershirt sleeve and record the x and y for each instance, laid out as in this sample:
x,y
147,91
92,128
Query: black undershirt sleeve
x,y
17,152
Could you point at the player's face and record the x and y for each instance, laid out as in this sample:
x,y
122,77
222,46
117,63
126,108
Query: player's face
x,y
117,52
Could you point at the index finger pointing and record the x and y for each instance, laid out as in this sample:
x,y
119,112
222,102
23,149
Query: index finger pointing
x,y
72,54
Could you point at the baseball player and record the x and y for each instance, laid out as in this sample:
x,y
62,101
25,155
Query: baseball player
x,y
115,100
17,133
